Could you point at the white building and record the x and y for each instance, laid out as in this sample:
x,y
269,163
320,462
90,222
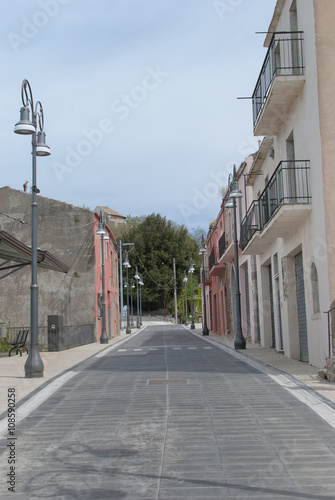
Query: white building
x,y
290,226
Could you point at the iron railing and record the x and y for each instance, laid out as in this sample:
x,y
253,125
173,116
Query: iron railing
x,y
222,245
289,184
200,275
284,58
211,259
64,338
331,331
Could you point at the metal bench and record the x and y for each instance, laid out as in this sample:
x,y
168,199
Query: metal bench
x,y
19,343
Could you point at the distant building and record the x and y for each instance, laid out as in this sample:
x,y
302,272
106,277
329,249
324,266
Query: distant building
x,y
69,233
112,218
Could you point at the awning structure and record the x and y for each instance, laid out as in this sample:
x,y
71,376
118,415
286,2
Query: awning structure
x,y
13,250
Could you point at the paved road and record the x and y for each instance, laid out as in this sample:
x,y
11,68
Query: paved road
x,y
167,415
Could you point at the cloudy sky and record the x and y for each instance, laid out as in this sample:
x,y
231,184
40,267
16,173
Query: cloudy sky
x,y
139,97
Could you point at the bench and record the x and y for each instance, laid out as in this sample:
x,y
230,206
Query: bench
x,y
19,343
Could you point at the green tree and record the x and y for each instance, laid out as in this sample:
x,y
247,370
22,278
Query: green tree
x,y
157,242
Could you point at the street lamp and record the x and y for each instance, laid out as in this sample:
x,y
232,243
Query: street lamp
x,y
34,364
234,192
137,278
141,284
131,301
202,252
101,231
127,266
185,281
121,281
191,271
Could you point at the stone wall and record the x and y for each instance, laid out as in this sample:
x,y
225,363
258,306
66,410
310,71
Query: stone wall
x,y
67,232
331,369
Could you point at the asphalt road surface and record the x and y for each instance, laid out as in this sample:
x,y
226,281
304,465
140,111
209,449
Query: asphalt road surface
x,y
167,415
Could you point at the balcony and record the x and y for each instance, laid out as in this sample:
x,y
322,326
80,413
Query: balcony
x,y
280,82
208,280
283,205
215,262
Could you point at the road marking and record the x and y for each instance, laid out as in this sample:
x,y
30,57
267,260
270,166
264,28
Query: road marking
x,y
122,350
137,349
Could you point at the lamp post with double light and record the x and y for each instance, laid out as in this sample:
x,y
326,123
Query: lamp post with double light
x,y
137,278
101,231
191,271
131,301
141,284
234,193
185,281
202,252
34,365
127,266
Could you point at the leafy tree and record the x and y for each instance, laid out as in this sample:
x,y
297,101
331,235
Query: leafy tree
x,y
157,242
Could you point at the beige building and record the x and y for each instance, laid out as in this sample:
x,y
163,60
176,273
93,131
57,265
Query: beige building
x,y
290,225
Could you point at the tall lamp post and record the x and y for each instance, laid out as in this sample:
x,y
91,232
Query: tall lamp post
x,y
185,281
137,278
101,231
131,301
34,365
234,192
202,252
127,266
141,284
121,283
191,271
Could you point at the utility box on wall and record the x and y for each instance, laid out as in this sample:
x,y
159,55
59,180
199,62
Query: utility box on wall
x,y
54,338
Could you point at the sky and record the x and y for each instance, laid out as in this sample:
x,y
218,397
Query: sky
x,y
139,98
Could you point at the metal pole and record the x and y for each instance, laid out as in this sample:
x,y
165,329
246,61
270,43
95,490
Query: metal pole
x,y
205,328
141,305
128,329
131,302
175,292
138,325
34,365
121,288
239,341
185,280
192,305
103,337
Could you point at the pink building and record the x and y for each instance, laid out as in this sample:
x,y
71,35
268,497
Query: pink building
x,y
220,288
110,257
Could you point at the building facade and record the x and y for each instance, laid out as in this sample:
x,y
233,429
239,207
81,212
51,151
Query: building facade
x,y
220,283
289,226
69,233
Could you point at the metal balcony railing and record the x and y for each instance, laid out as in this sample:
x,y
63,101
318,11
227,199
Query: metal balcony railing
x,y
211,259
289,184
222,245
206,275
284,58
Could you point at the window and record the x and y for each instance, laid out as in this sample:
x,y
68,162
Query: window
x,y
315,289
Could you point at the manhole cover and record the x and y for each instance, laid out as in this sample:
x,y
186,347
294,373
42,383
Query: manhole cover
x,y
167,381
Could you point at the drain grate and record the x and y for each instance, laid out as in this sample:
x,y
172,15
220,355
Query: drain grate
x,y
166,381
